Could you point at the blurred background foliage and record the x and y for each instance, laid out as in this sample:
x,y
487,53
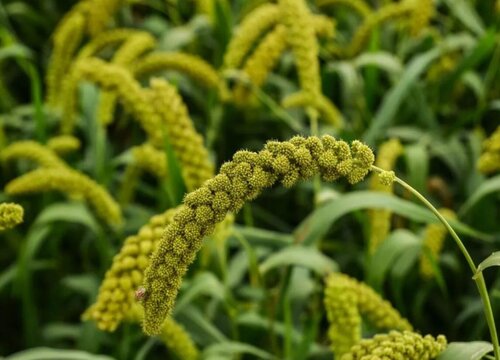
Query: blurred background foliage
x,y
260,293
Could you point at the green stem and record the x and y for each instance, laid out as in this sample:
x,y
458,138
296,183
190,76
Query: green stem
x,y
479,279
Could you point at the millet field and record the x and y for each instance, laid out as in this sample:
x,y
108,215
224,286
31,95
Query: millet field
x,y
249,179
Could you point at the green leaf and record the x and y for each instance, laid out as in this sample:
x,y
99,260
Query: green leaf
x,y
174,183
392,101
489,186
465,12
61,331
352,82
204,284
55,354
382,60
71,212
492,260
396,245
481,51
417,163
262,237
15,51
474,350
223,26
453,153
201,325
228,349
34,240
307,257
316,225
84,284
263,324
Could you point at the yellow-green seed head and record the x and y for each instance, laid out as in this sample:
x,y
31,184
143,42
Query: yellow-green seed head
x,y
239,181
380,219
178,340
261,62
301,37
254,25
63,144
149,159
328,111
386,178
10,215
173,335
184,139
116,297
346,301
324,27
41,155
133,47
70,182
191,65
341,305
100,14
105,40
423,11
207,8
145,158
382,15
357,5
398,346
113,78
434,237
489,162
66,40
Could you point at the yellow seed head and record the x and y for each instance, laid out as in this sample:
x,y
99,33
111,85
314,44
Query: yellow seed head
x,y
114,78
489,162
384,14
149,159
104,40
66,40
239,181
31,150
178,340
100,14
380,220
173,335
301,37
262,61
186,142
63,144
253,26
191,65
126,274
326,108
341,305
68,181
357,5
434,237
397,346
423,11
324,27
133,47
346,301
145,158
10,215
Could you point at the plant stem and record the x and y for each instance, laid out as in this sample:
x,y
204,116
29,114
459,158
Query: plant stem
x,y
479,279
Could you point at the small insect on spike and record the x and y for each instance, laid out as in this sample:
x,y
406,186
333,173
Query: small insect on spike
x,y
140,293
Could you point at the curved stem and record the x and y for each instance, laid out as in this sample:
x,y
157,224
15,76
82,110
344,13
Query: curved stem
x,y
479,279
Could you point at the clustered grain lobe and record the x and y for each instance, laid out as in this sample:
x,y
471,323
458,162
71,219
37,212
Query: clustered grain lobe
x,y
240,180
